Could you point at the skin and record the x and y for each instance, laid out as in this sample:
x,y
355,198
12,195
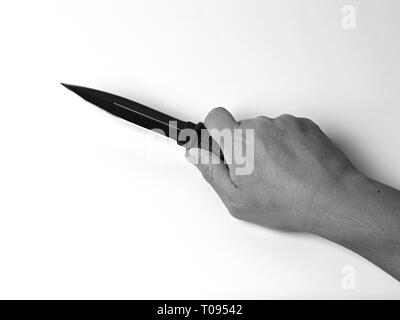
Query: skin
x,y
303,182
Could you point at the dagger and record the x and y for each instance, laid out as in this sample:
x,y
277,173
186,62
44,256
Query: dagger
x,y
185,133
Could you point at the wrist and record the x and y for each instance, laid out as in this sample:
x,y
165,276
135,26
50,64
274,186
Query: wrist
x,y
342,210
365,219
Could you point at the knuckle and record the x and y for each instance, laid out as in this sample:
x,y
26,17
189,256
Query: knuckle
x,y
286,118
306,124
214,116
260,122
262,119
306,121
214,111
217,109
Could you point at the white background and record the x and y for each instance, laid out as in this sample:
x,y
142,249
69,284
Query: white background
x,y
84,210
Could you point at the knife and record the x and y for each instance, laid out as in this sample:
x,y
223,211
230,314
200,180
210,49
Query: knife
x,y
185,133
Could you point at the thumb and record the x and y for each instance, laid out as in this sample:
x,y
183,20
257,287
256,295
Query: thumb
x,y
219,123
213,171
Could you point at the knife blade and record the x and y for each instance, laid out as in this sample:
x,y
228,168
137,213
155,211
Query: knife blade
x,y
185,133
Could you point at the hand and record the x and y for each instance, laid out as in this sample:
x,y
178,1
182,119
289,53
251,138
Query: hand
x,y
298,172
302,182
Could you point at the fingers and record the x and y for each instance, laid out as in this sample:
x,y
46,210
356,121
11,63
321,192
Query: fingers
x,y
220,118
215,173
221,124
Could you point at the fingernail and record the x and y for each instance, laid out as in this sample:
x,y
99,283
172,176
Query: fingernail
x,y
192,155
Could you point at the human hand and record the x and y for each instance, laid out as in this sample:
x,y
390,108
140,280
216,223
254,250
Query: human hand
x,y
298,172
302,182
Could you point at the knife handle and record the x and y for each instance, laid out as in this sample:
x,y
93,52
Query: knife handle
x,y
203,140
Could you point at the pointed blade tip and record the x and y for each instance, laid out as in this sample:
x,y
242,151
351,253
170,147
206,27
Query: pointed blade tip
x,y
71,87
68,86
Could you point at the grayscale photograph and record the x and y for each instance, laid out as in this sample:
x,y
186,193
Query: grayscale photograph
x,y
200,158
